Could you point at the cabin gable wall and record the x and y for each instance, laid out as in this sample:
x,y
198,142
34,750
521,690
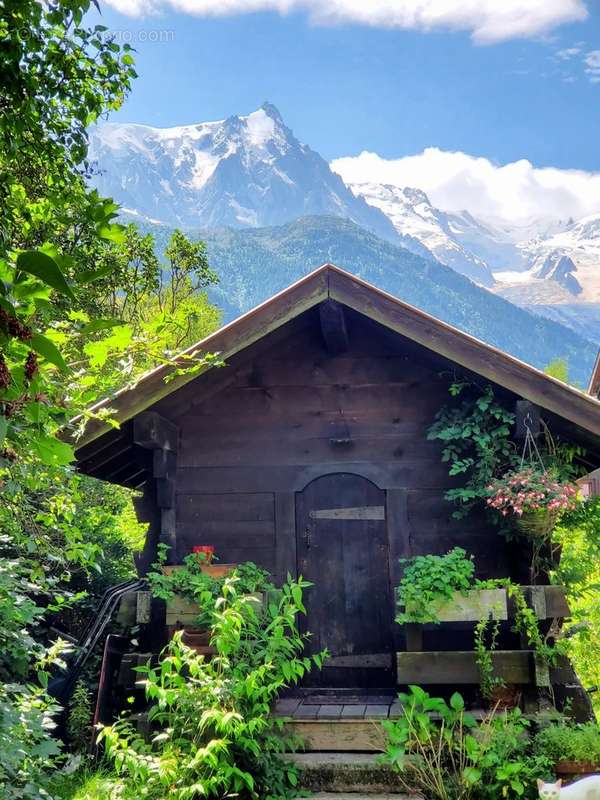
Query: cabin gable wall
x,y
287,412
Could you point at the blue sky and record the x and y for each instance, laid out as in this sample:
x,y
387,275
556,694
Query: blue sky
x,y
348,87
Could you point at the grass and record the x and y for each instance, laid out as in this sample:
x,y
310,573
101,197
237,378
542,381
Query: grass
x,y
86,784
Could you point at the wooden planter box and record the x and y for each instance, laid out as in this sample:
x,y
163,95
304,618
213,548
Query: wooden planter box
x,y
216,570
477,604
571,770
546,601
181,611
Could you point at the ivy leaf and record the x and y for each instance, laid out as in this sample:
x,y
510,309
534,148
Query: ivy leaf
x,y
52,451
48,349
34,262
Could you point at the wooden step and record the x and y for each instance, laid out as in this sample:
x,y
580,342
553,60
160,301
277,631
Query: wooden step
x,y
342,773
338,735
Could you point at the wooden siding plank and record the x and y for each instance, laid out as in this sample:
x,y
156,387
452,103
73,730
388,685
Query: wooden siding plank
x,y
514,666
485,360
229,534
285,535
252,477
242,507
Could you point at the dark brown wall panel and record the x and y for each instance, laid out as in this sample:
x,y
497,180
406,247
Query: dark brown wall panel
x,y
290,412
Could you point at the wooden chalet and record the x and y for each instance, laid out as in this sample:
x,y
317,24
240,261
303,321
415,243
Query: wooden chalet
x,y
307,453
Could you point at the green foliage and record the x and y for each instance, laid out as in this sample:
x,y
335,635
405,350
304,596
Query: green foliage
x,y
430,580
578,534
28,753
559,369
192,581
438,750
476,436
485,641
216,737
86,784
163,303
79,726
569,742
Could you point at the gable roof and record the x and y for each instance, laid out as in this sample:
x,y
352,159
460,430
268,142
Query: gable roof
x,y
331,282
594,383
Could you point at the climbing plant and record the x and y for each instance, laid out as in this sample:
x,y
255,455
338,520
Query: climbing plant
x,y
475,430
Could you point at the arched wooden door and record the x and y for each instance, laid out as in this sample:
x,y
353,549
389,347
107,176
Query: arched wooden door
x,y
342,549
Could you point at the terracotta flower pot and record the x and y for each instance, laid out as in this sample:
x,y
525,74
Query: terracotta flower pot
x,y
505,697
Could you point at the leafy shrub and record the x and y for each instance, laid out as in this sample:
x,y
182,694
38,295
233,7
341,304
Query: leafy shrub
x,y
568,742
79,725
28,753
438,749
429,580
216,737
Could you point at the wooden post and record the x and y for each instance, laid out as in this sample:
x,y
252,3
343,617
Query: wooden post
x,y
527,415
333,327
153,432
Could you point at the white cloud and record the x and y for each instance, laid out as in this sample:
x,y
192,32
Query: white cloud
x,y
517,192
568,53
487,20
592,65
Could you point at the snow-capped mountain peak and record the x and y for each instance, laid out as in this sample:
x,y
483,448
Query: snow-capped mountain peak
x,y
241,171
413,215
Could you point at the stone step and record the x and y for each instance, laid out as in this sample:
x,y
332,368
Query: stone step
x,y
356,774
359,796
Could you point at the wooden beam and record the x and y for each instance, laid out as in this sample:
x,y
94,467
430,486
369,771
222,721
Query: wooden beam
x,y
153,432
333,327
513,666
369,661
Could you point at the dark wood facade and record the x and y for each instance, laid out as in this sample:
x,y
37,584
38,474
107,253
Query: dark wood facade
x,y
308,454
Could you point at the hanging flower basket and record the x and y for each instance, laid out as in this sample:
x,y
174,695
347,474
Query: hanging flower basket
x,y
538,524
535,497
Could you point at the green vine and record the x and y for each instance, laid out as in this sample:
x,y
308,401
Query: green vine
x,y
476,437
487,627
